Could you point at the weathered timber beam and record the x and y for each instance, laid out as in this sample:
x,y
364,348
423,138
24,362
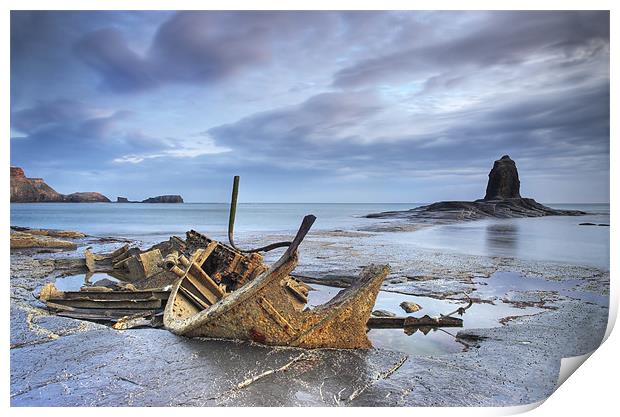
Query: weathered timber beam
x,y
402,322
109,304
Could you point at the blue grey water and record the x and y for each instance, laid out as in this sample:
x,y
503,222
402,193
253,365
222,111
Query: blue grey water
x,y
139,220
552,238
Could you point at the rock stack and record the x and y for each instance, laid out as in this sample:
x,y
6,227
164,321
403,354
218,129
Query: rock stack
x,y
502,200
503,180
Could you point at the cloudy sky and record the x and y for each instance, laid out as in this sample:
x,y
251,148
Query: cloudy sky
x,y
312,106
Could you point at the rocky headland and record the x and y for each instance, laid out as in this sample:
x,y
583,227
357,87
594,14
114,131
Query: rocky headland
x,y
502,200
35,190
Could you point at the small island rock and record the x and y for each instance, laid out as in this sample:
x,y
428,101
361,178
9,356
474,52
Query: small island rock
x,y
173,199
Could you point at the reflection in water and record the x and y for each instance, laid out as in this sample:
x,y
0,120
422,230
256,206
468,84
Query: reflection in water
x,y
417,341
88,279
502,238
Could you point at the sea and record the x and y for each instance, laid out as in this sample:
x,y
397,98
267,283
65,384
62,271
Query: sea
x,y
551,238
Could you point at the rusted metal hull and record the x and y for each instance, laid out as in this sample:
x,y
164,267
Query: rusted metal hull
x,y
264,311
269,307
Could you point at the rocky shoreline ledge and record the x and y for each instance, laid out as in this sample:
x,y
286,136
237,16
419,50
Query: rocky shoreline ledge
x,y
502,200
516,362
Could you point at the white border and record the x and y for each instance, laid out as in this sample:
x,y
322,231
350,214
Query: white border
x,y
590,391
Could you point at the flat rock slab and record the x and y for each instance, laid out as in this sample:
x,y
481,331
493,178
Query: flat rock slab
x,y
509,365
454,211
149,367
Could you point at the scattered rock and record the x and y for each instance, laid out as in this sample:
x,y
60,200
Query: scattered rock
x,y
383,313
410,307
50,232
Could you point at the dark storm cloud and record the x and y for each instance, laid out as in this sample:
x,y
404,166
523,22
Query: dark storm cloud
x,y
338,132
429,98
197,47
322,118
497,38
121,68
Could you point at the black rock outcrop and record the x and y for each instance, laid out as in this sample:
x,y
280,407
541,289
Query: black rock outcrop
x,y
502,200
503,180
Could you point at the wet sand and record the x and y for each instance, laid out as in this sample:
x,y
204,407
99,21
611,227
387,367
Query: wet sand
x,y
560,312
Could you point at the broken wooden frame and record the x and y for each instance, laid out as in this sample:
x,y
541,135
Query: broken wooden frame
x,y
265,309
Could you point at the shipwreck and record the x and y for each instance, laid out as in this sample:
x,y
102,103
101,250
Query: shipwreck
x,y
200,287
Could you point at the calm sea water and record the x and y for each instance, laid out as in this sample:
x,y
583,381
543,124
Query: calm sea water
x,y
550,238
139,220
554,238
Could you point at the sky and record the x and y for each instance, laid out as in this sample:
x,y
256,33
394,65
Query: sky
x,y
409,106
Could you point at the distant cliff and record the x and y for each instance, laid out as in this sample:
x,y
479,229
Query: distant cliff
x,y
35,190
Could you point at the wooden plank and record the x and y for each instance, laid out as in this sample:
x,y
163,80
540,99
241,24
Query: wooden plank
x,y
193,298
206,280
200,293
150,262
201,289
99,312
115,295
109,304
202,256
401,322
95,315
